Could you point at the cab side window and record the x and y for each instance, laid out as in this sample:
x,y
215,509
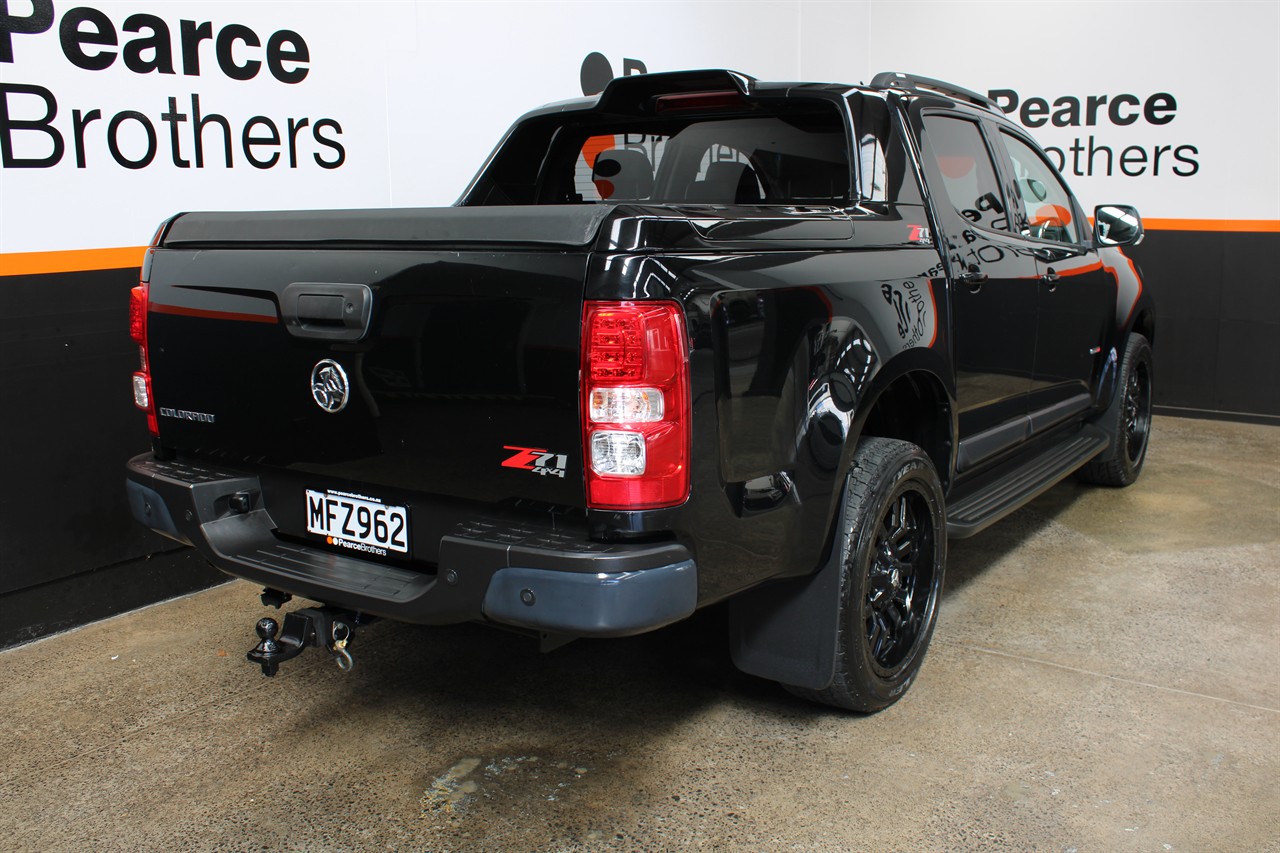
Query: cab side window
x,y
1046,208
871,118
885,173
968,175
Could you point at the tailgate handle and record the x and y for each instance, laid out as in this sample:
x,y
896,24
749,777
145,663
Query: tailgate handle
x,y
326,310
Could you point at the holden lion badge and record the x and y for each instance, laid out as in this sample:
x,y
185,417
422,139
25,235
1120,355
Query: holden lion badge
x,y
329,385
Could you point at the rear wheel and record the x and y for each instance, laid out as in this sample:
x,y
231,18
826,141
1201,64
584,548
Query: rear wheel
x,y
892,537
1127,421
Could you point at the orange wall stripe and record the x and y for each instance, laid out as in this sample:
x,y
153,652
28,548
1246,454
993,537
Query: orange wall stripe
x,y
77,260
1245,225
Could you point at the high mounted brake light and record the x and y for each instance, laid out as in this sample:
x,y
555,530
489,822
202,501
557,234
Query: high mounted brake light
x,y
635,404
699,101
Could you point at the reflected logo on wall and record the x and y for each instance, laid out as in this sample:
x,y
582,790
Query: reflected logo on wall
x,y
597,71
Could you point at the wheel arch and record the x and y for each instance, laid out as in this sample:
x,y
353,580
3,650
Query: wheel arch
x,y
907,399
788,631
914,404
1144,323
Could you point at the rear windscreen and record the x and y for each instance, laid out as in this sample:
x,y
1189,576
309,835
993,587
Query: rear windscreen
x,y
799,157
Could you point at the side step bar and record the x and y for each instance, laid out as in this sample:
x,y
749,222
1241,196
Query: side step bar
x,y
979,509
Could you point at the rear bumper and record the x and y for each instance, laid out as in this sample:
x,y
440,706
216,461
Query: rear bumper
x,y
515,573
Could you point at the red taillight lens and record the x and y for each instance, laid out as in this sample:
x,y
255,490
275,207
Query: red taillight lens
x,y
635,404
139,304
138,313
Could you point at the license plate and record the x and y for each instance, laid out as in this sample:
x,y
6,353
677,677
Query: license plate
x,y
358,522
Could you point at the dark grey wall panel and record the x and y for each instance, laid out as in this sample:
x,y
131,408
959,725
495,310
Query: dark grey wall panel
x,y
1218,320
27,614
65,361
66,428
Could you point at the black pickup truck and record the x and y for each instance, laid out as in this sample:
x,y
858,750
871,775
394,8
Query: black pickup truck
x,y
699,338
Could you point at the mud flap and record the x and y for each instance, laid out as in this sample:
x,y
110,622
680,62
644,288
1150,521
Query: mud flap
x,y
787,631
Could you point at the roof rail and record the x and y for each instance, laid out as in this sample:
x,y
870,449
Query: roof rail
x,y
898,80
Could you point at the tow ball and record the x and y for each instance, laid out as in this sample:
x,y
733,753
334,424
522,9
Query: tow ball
x,y
310,626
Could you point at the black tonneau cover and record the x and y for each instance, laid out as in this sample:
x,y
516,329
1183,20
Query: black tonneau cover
x,y
558,225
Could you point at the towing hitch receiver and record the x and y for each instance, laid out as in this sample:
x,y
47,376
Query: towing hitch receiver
x,y
310,626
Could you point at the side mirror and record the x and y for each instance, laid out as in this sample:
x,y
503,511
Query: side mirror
x,y
1117,225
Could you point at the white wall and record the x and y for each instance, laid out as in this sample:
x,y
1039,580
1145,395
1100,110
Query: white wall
x,y
421,91
1218,60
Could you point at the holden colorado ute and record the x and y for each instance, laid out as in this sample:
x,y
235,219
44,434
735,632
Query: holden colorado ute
x,y
697,339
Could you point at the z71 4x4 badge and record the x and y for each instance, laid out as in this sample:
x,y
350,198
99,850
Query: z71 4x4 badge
x,y
537,460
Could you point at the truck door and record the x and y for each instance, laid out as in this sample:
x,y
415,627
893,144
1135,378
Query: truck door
x,y
1076,295
994,281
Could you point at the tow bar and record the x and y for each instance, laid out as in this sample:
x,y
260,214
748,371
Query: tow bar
x,y
311,626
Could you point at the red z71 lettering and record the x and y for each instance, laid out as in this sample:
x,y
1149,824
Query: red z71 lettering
x,y
525,458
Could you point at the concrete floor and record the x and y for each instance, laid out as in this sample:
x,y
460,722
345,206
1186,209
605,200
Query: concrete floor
x,y
1104,676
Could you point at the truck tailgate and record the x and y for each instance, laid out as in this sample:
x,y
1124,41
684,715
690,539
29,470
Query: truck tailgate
x,y
460,363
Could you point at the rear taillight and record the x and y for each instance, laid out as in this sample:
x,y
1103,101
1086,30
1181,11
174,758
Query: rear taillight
x,y
635,404
138,305
138,313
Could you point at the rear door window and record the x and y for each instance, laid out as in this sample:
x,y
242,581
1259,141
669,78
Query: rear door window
x,y
968,173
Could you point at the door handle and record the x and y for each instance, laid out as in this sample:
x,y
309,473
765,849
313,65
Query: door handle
x,y
973,278
327,310
1051,278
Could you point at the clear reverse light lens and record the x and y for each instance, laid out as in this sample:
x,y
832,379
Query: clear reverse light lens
x,y
615,452
140,397
626,405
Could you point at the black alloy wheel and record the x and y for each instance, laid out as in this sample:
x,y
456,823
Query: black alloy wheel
x,y
900,579
1137,412
891,536
1127,421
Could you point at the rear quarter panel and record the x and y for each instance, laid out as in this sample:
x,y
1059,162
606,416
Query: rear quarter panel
x,y
788,344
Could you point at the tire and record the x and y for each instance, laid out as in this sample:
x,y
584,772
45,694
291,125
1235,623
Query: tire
x,y
893,543
1127,421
